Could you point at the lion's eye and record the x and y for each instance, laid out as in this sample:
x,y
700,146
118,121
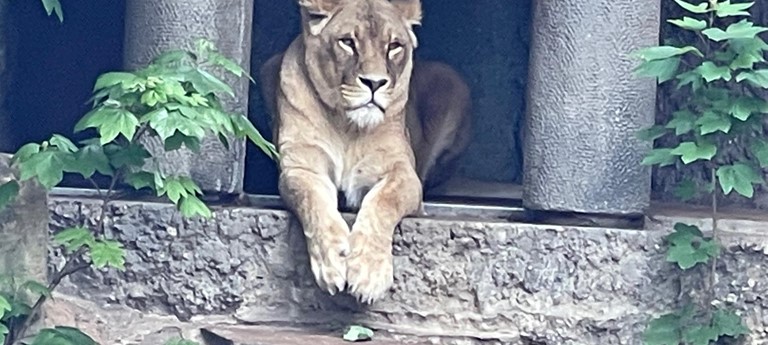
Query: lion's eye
x,y
347,42
394,46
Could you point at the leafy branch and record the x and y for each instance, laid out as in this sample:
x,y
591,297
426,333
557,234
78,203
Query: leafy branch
x,y
176,99
720,74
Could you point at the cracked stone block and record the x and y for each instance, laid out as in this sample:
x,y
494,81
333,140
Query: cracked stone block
x,y
459,282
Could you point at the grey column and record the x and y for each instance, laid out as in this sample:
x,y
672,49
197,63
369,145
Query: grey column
x,y
153,27
585,107
24,229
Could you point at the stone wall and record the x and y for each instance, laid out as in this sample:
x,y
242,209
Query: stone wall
x,y
463,282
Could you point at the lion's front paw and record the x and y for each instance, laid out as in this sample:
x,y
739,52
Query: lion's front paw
x,y
327,256
369,266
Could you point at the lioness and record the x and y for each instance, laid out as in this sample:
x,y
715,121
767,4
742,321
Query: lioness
x,y
339,97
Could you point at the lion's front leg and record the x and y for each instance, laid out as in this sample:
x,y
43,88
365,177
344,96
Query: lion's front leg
x,y
313,199
370,263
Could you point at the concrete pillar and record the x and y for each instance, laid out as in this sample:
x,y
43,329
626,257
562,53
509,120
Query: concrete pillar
x,y
153,27
24,230
585,107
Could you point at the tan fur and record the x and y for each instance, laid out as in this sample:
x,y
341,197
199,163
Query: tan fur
x,y
330,139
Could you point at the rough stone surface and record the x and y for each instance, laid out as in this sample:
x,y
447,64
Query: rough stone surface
x,y
458,282
584,107
153,27
23,229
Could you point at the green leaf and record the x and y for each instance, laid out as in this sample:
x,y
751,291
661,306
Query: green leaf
x,y
244,127
8,192
686,190
661,157
691,77
180,341
54,6
698,9
663,70
728,323
25,152
652,133
759,149
682,122
205,83
682,229
747,52
48,166
690,152
178,139
62,143
689,23
110,122
109,79
141,179
166,123
739,177
4,305
711,122
356,333
711,72
74,238
37,288
699,335
191,206
173,189
108,253
664,330
90,159
743,107
757,78
742,29
727,9
687,249
132,155
62,336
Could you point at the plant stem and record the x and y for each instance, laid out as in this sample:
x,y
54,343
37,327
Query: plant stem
x,y
713,272
74,264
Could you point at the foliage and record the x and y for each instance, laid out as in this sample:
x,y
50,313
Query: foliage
x,y
720,73
175,98
180,341
356,333
53,6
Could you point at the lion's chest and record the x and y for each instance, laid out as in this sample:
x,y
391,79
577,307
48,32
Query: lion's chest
x,y
355,174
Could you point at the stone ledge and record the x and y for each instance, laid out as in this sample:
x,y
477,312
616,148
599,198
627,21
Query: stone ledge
x,y
460,281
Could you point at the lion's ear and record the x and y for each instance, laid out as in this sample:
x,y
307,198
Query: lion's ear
x,y
317,13
411,12
410,9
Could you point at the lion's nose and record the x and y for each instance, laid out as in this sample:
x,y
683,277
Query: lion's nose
x,y
373,82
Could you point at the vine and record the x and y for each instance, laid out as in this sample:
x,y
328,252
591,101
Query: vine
x,y
720,74
176,99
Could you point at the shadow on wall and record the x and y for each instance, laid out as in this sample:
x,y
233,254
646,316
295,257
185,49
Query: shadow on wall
x,y
485,40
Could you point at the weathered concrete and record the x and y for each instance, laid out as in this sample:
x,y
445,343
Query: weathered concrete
x,y
153,27
23,229
463,282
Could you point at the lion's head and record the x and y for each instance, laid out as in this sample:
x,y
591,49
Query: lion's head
x,y
359,54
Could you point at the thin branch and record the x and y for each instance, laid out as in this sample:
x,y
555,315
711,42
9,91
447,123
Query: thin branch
x,y
74,264
713,272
